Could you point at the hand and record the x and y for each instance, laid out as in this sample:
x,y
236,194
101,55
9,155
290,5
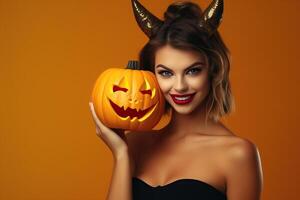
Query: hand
x,y
115,139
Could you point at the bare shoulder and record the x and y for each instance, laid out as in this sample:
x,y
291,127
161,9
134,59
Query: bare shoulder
x,y
244,154
240,149
237,149
242,168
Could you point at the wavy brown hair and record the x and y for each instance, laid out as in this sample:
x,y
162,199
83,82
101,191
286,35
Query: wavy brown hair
x,y
180,30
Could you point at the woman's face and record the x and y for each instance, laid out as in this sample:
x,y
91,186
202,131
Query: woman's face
x,y
183,77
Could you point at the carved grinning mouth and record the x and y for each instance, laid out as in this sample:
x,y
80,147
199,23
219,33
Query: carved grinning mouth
x,y
129,111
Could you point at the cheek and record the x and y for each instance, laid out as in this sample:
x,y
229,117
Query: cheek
x,y
200,84
164,84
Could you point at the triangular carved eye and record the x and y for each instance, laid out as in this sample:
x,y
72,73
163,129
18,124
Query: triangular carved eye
x,y
117,88
147,92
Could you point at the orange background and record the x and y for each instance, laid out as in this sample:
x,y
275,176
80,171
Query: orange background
x,y
51,53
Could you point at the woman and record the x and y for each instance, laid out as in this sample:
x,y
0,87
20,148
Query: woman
x,y
195,156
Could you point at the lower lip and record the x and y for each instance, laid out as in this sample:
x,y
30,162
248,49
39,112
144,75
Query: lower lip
x,y
181,102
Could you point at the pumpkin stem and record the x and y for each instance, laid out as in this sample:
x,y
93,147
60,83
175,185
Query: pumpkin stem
x,y
133,64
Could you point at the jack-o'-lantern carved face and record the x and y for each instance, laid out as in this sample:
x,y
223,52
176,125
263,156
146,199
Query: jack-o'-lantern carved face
x,y
128,99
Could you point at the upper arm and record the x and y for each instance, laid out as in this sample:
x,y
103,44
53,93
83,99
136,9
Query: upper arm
x,y
244,172
131,138
133,143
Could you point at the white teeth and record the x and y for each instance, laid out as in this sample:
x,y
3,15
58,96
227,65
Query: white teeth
x,y
182,98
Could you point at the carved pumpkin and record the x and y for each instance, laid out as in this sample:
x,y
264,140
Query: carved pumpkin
x,y
129,98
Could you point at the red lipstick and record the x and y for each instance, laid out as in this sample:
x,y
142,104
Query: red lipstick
x,y
182,99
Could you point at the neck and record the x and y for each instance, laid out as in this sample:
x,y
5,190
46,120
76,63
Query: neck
x,y
183,125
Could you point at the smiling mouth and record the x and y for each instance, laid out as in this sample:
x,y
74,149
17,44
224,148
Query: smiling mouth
x,y
129,112
182,99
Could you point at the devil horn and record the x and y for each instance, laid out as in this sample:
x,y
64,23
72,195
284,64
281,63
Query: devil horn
x,y
212,16
145,19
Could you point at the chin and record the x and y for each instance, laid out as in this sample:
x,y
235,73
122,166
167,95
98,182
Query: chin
x,y
183,111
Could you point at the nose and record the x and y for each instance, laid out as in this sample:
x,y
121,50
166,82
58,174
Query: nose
x,y
180,85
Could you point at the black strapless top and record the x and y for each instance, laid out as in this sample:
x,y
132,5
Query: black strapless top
x,y
182,189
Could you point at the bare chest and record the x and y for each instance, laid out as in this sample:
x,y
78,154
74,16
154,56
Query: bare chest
x,y
161,165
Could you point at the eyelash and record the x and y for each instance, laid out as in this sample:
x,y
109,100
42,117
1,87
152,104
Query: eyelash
x,y
197,70
165,71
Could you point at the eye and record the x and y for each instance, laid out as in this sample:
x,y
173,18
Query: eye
x,y
146,92
194,71
165,73
117,88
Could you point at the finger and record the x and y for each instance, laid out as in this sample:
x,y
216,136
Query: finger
x,y
94,113
97,121
98,132
102,127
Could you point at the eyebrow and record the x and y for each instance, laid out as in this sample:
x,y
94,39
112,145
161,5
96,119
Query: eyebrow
x,y
192,65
